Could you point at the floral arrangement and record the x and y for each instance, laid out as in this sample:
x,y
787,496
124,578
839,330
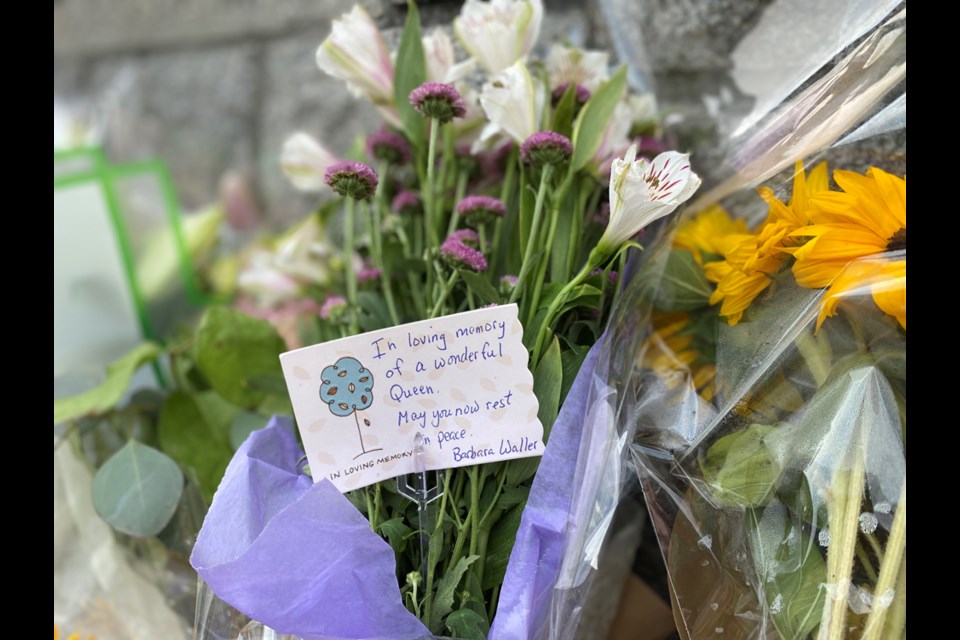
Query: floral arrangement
x,y
498,179
778,364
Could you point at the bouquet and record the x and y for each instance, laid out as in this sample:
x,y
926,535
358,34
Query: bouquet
x,y
767,396
497,180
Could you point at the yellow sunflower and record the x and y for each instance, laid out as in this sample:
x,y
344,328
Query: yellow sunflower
x,y
670,354
710,231
750,258
869,216
885,280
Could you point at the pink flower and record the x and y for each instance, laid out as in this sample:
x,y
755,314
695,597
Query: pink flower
x,y
352,180
458,253
438,100
546,147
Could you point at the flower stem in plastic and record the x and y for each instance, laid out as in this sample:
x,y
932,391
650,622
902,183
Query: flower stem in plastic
x,y
896,550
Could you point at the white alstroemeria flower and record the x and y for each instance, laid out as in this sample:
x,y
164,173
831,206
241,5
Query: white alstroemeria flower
x,y
642,191
355,52
304,252
499,32
513,102
589,69
643,109
264,282
304,161
442,65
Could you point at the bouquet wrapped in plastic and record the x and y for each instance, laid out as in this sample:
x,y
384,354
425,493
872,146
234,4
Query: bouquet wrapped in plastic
x,y
767,399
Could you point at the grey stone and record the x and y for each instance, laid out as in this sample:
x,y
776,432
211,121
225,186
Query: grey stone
x,y
195,113
298,96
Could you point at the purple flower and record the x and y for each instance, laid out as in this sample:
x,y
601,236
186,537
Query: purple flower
x,y
478,210
352,180
508,279
332,307
368,273
582,93
458,254
612,277
438,100
507,284
546,147
406,202
468,237
388,146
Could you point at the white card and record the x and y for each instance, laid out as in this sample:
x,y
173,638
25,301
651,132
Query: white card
x,y
461,381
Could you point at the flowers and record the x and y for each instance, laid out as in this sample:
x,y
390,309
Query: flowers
x,y
479,210
499,32
586,69
352,180
441,62
304,161
439,101
458,249
867,217
546,147
355,53
387,146
642,191
333,307
406,202
512,102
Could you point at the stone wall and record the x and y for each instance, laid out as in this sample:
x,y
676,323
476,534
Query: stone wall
x,y
213,87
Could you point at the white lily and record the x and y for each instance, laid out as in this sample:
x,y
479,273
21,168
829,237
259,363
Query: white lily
x,y
442,65
304,161
356,53
589,69
513,102
499,32
642,191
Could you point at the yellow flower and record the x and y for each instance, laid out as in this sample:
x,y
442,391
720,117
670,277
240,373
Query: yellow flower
x,y
72,636
869,216
670,354
885,280
750,258
711,231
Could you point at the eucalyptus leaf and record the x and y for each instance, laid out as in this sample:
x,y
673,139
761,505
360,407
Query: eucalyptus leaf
x,y
739,468
480,286
790,569
593,118
411,72
500,545
446,590
233,348
108,393
195,430
467,625
137,490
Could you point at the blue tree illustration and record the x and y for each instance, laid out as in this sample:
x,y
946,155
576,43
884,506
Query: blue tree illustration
x,y
347,387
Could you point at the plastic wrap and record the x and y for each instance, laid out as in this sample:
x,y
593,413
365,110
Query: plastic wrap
x,y
766,403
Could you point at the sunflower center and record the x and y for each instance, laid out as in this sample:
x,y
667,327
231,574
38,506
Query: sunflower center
x,y
898,241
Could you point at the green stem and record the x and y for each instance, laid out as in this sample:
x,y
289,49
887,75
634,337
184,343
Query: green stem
x,y
498,260
875,545
534,227
436,543
494,598
473,473
461,190
461,538
371,517
846,494
376,503
552,310
448,287
817,354
865,562
429,193
478,566
542,266
379,261
348,242
897,615
889,569
416,291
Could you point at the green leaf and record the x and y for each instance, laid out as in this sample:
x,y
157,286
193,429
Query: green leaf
x,y
566,110
446,589
790,568
512,496
411,72
373,311
396,533
547,380
232,349
137,490
572,359
499,547
472,595
739,468
195,430
104,397
467,624
245,423
480,286
593,118
675,284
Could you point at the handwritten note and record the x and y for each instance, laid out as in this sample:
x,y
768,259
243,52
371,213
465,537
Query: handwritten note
x,y
461,381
